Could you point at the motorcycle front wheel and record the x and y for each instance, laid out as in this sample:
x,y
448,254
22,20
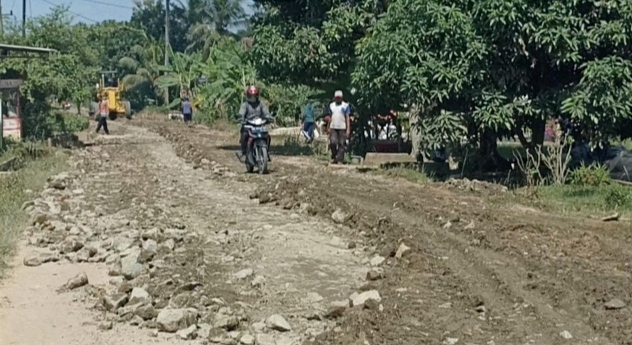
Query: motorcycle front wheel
x,y
262,159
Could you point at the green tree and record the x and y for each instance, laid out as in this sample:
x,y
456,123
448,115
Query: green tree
x,y
499,68
149,15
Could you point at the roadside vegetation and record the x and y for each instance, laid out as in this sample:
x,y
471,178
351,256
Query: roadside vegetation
x,y
34,163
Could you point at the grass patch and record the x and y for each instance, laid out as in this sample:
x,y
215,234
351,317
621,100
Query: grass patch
x,y
412,175
587,199
14,192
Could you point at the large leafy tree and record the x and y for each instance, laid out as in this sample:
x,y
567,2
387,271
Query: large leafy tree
x,y
495,67
310,42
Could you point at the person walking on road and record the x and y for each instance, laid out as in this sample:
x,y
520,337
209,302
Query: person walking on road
x,y
339,128
187,110
309,122
104,111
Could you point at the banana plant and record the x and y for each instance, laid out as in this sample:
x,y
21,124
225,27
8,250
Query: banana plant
x,y
181,75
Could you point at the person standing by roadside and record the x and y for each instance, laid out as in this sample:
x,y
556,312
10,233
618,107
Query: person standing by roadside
x,y
104,111
339,128
187,111
309,122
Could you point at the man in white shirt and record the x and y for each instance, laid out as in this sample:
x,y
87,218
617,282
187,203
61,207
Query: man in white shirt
x,y
339,128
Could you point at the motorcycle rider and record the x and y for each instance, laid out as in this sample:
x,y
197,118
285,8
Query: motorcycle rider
x,y
252,108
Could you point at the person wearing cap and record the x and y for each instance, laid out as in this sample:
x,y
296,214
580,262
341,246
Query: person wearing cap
x,y
339,127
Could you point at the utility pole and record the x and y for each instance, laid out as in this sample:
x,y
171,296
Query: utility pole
x,y
23,18
2,21
167,46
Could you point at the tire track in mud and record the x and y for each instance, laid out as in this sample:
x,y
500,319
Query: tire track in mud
x,y
488,278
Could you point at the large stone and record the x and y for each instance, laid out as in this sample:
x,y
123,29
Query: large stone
x,y
70,246
226,322
278,323
247,339
138,295
615,304
130,268
146,312
339,216
172,320
187,333
40,258
243,274
402,250
360,299
129,309
79,280
115,301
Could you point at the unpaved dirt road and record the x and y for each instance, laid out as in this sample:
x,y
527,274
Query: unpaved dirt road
x,y
180,246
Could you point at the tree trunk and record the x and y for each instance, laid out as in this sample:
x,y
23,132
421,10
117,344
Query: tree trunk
x,y
537,136
489,157
415,133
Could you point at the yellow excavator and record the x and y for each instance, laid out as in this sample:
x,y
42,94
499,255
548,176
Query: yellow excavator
x,y
110,87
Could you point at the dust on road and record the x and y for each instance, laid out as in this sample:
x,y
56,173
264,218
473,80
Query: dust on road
x,y
199,252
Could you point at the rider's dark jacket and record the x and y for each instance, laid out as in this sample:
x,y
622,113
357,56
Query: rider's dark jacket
x,y
252,110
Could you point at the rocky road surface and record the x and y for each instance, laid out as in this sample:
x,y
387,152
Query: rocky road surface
x,y
157,236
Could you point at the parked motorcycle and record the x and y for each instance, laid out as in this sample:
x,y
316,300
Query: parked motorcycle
x,y
257,149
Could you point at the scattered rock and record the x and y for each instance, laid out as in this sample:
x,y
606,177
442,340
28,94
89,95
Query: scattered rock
x,y
566,335
374,274
226,322
265,339
335,312
451,341
247,339
615,304
402,250
79,280
363,297
313,297
339,216
40,258
243,274
172,320
351,245
130,268
377,260
204,330
85,253
115,301
258,281
187,333
146,312
278,323
70,246
138,295
105,325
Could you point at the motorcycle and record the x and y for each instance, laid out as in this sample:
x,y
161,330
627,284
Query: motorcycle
x,y
257,149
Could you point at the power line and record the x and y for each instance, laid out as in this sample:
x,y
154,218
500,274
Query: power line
x,y
108,4
75,13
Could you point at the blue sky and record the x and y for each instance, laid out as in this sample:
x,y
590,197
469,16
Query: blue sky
x,y
86,11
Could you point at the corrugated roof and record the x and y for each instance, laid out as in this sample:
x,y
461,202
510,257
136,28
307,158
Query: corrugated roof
x,y
25,49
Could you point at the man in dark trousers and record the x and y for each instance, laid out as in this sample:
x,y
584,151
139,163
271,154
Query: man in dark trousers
x,y
339,128
187,111
104,111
